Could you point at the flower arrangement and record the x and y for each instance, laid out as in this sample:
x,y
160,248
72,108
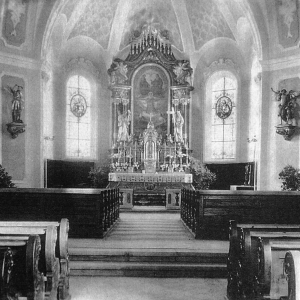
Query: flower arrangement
x,y
203,178
5,179
290,178
99,176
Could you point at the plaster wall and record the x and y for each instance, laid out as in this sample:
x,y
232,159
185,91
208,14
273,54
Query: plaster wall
x,y
276,152
21,156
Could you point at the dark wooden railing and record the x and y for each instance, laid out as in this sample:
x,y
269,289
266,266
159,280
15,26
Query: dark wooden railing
x,y
91,212
207,213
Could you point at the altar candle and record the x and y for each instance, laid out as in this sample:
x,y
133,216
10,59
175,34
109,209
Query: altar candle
x,y
187,154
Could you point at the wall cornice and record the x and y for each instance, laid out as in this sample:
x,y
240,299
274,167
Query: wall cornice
x,y
19,61
281,63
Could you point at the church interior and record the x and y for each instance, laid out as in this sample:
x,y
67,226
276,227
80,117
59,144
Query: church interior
x,y
121,101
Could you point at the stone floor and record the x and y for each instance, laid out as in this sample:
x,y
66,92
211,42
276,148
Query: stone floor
x,y
127,288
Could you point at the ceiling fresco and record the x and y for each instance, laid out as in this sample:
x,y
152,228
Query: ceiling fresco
x,y
159,14
206,21
96,21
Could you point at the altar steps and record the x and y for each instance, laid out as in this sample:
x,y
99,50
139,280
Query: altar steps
x,y
147,264
148,245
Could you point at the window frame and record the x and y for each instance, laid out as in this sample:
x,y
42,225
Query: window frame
x,y
208,111
93,118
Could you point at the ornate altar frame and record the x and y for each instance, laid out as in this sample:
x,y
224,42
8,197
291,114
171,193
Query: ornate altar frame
x,y
150,50
160,145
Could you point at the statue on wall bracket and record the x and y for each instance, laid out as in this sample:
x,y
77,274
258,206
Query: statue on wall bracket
x,y
16,126
286,112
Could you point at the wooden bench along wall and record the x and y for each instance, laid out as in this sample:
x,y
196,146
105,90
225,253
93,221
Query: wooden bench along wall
x,y
292,269
21,276
54,255
255,260
208,212
91,212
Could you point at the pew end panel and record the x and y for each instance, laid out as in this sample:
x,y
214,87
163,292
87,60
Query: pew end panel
x,y
54,257
255,260
21,275
292,269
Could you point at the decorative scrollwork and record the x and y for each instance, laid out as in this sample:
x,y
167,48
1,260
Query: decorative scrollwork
x,y
224,107
35,279
78,105
7,265
64,260
289,268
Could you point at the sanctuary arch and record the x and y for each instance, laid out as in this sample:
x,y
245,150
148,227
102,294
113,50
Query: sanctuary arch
x,y
150,108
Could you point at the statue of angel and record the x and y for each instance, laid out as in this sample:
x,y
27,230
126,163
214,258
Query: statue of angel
x,y
183,72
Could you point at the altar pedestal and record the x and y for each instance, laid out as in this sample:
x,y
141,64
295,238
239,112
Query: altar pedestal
x,y
150,189
173,198
126,198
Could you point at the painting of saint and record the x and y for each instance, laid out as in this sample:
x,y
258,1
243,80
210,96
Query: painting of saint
x,y
150,100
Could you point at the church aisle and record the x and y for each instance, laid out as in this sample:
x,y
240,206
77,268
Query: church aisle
x,y
149,245
149,231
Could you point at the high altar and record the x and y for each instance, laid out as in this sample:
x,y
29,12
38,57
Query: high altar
x,y
150,108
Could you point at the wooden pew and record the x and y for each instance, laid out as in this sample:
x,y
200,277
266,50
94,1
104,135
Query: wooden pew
x,y
292,269
255,259
207,212
54,255
20,276
92,212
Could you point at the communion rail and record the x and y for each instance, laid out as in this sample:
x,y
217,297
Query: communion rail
x,y
207,212
91,212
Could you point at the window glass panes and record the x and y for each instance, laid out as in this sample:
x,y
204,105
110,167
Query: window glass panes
x,y
78,118
223,100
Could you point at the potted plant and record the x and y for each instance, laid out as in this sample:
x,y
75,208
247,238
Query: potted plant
x,y
203,178
99,176
5,179
290,178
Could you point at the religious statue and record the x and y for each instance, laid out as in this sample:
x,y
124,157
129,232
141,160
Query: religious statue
x,y
123,124
286,108
183,72
17,102
118,72
178,121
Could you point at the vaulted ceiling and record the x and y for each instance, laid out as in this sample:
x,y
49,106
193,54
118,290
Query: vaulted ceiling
x,y
189,24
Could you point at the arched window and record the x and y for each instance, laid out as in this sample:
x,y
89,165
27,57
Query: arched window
x,y
79,136
221,117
